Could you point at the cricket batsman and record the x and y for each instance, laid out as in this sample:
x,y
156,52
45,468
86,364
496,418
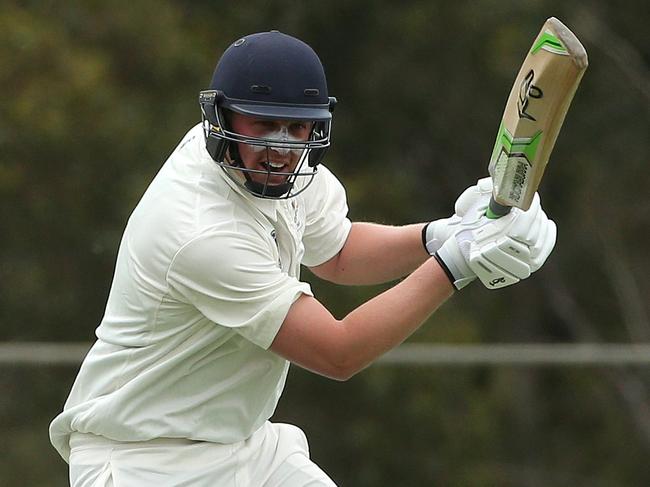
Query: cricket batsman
x,y
207,310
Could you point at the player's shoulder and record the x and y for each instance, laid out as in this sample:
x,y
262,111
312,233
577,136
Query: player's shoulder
x,y
325,176
325,189
322,180
193,140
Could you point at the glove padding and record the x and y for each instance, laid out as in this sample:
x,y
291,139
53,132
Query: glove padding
x,y
475,198
499,252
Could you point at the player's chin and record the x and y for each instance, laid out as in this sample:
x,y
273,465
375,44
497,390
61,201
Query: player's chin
x,y
275,180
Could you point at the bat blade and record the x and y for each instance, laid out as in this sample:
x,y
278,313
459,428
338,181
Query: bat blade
x,y
533,116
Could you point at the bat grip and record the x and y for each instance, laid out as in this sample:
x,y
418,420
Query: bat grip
x,y
496,210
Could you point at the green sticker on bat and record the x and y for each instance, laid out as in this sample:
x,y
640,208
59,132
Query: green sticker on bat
x,y
549,42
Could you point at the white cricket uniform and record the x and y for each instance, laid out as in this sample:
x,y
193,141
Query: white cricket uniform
x,y
204,278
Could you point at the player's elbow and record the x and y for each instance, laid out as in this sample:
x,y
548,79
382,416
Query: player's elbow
x,y
344,371
343,364
313,339
331,365
339,372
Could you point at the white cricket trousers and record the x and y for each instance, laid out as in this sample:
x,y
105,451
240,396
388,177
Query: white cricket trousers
x,y
275,455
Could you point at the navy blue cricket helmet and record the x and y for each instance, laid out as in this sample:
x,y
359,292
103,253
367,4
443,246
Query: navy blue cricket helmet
x,y
273,76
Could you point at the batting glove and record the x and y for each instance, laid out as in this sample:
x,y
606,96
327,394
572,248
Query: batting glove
x,y
474,198
499,252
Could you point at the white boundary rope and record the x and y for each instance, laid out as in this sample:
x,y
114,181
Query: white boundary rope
x,y
409,354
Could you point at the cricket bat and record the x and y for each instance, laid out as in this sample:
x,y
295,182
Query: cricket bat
x,y
535,110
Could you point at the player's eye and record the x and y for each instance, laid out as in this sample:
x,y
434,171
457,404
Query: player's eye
x,y
300,129
268,125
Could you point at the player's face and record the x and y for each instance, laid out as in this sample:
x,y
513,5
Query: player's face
x,y
275,159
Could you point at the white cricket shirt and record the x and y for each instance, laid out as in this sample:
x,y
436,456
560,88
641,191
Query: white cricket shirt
x,y
205,276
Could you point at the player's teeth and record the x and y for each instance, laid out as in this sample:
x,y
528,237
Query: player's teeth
x,y
276,166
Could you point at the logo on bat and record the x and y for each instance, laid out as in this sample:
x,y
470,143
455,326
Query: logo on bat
x,y
527,90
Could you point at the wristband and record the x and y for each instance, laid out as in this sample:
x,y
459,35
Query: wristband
x,y
424,237
446,270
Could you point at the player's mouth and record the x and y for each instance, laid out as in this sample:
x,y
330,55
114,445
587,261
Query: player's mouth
x,y
274,166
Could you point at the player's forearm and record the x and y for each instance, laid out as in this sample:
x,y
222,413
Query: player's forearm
x,y
376,253
388,319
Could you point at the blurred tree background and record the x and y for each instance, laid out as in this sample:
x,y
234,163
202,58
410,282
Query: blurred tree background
x,y
97,94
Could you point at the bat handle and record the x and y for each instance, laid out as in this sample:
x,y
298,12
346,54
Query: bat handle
x,y
496,210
